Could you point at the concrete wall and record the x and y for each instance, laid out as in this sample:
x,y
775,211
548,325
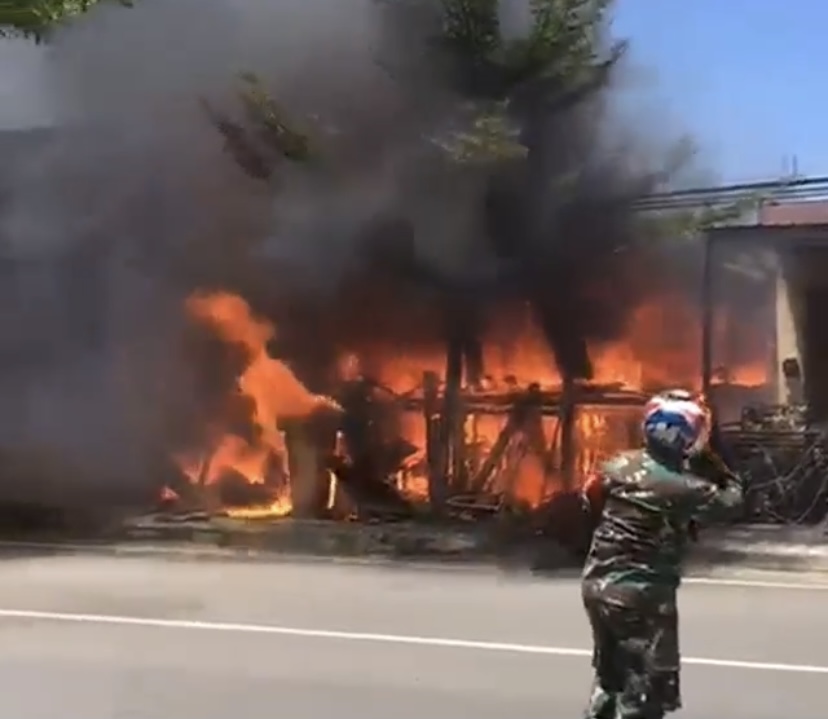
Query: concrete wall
x,y
802,322
745,307
789,325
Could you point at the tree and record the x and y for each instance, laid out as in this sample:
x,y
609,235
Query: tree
x,y
264,136
551,216
561,59
520,136
36,18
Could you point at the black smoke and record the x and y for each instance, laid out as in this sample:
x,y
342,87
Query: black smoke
x,y
132,202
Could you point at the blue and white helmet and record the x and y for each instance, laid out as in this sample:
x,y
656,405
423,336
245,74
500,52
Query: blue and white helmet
x,y
676,423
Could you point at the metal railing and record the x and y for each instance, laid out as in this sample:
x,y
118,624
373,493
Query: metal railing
x,y
795,189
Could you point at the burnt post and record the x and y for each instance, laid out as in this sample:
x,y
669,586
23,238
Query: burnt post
x,y
451,424
707,313
309,476
437,487
567,415
524,417
206,466
464,368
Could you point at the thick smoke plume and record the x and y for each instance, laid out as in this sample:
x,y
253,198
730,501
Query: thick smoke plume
x,y
132,203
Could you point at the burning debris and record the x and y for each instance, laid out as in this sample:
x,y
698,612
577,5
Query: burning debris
x,y
393,435
242,457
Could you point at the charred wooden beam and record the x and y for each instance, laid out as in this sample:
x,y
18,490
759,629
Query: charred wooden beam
x,y
473,355
205,466
501,444
530,438
458,478
451,423
568,416
550,401
437,485
533,422
309,479
523,407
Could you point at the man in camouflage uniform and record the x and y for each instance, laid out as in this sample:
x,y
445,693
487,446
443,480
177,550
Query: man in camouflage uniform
x,y
643,502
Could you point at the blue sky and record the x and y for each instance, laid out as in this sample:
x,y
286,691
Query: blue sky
x,y
746,77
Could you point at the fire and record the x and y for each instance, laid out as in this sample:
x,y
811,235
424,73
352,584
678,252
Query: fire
x,y
275,394
660,348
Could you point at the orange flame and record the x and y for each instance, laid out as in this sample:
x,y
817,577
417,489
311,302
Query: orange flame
x,y
661,349
275,393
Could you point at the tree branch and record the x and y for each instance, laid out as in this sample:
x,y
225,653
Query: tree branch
x,y
35,19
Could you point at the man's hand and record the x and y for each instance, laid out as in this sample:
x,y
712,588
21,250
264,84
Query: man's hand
x,y
710,466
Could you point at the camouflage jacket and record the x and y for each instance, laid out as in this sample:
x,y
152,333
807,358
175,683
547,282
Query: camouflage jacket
x,y
640,539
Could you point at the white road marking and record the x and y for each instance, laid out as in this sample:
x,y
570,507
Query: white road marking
x,y
378,638
758,583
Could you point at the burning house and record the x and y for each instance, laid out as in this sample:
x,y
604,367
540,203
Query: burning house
x,y
414,412
384,331
420,413
402,395
402,392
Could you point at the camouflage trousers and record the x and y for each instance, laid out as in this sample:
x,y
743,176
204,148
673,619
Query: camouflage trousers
x,y
636,660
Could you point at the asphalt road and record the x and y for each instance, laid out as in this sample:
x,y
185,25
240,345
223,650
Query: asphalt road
x,y
92,637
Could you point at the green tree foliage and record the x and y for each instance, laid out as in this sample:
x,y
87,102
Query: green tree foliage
x,y
563,46
36,18
563,57
264,135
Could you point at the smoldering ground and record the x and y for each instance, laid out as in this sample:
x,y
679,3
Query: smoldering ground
x,y
132,202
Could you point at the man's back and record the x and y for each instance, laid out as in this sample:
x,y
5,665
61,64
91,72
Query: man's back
x,y
639,544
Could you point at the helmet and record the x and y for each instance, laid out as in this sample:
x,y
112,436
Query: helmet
x,y
675,424
677,394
